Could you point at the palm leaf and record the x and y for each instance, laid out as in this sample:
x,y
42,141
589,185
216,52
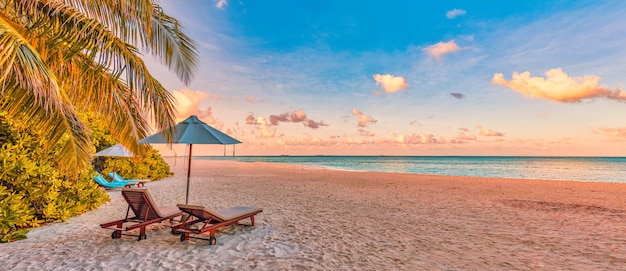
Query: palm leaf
x,y
62,55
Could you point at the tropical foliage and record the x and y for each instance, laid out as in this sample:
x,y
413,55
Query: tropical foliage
x,y
60,56
32,190
150,165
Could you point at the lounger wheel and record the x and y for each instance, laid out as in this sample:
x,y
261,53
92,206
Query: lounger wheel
x,y
142,236
182,237
116,234
212,241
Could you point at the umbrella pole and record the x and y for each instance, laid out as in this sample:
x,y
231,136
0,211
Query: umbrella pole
x,y
188,175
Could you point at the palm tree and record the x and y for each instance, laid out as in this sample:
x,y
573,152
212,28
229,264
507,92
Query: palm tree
x,y
61,57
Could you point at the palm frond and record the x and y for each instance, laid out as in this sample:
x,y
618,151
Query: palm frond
x,y
57,126
62,56
121,60
171,45
144,23
21,62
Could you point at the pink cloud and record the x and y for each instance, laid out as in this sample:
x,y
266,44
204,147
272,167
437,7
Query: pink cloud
x,y
275,119
416,138
363,132
188,102
462,138
558,86
310,142
487,132
313,124
613,132
364,120
263,127
250,99
442,48
420,139
390,83
295,116
209,116
298,116
250,119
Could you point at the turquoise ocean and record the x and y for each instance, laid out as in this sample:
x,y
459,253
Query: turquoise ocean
x,y
594,169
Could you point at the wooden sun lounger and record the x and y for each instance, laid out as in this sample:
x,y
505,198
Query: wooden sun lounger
x,y
211,220
146,213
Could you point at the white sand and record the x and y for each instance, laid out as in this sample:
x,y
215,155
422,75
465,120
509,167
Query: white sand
x,y
318,219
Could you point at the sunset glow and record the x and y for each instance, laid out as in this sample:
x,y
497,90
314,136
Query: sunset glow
x,y
407,77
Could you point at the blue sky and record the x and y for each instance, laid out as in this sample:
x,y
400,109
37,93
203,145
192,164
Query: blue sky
x,y
408,77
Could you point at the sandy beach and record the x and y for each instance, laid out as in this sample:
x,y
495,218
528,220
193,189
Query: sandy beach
x,y
319,219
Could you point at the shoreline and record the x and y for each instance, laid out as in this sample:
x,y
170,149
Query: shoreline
x,y
604,170
314,167
327,219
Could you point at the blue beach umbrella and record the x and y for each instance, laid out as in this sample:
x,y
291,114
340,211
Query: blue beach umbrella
x,y
192,131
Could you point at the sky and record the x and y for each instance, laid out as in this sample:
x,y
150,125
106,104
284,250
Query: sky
x,y
324,77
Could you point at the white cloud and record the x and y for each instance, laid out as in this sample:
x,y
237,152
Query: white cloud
x,y
221,4
451,14
558,86
390,83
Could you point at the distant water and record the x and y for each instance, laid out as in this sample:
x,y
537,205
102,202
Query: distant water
x,y
595,169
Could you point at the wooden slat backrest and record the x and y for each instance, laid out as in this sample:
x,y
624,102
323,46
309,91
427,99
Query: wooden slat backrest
x,y
141,203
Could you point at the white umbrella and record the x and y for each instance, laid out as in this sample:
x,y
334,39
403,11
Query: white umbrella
x,y
115,150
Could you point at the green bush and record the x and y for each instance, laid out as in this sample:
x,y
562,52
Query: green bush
x,y
15,214
150,166
32,190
